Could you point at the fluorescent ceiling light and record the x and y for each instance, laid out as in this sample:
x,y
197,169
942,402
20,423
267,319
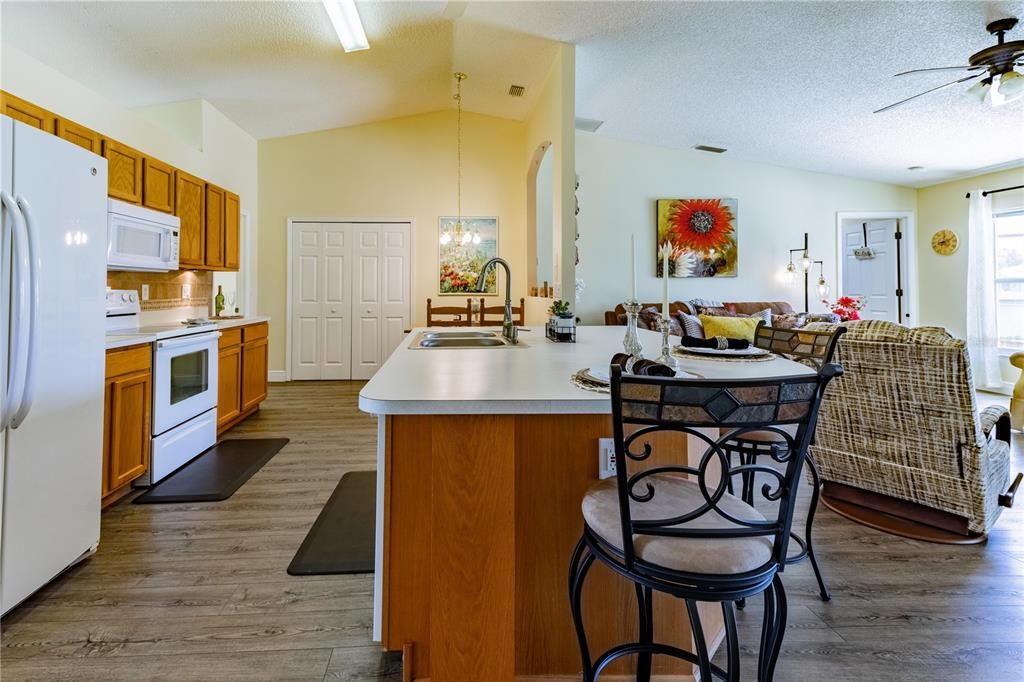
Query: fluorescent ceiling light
x,y
345,19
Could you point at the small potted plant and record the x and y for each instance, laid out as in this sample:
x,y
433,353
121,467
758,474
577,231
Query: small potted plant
x,y
563,321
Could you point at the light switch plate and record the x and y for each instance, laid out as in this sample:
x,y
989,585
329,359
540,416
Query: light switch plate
x,y
606,457
186,291
145,292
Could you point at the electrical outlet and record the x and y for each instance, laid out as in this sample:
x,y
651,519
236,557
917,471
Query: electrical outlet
x,y
145,292
186,291
606,460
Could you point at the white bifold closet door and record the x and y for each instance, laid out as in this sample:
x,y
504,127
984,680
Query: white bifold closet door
x,y
350,297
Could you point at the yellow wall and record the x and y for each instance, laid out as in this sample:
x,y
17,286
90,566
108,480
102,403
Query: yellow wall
x,y
553,120
943,279
403,168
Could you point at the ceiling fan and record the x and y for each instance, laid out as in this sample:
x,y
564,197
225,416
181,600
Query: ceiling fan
x,y
1000,81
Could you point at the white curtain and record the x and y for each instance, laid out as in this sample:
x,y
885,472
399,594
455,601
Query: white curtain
x,y
982,336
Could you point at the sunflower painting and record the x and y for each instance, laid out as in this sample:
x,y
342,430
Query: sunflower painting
x,y
702,233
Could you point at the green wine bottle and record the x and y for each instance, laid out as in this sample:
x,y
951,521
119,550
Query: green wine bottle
x,y
218,301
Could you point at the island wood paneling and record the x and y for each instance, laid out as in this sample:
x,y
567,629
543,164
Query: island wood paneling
x,y
469,497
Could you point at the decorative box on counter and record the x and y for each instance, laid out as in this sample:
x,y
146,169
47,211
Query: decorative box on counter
x,y
561,329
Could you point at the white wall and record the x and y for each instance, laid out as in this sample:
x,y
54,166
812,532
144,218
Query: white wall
x,y
620,182
545,221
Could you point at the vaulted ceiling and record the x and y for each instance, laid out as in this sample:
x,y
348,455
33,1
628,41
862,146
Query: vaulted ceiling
x,y
787,83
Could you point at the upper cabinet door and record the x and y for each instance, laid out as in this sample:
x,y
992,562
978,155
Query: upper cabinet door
x,y
124,171
190,207
80,135
232,220
157,185
27,113
214,226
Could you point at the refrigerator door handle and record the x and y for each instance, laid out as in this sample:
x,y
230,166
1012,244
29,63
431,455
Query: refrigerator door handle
x,y
19,308
35,262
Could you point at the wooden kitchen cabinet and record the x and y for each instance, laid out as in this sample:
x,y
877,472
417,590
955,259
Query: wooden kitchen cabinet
x,y
127,416
157,185
229,378
80,135
190,207
242,373
124,171
214,227
26,112
232,222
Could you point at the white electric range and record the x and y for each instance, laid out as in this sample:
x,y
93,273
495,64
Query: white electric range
x,y
184,420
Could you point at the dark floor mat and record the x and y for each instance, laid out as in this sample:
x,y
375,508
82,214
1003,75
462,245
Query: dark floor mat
x,y
216,474
342,537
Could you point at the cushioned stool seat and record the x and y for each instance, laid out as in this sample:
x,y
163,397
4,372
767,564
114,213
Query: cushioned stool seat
x,y
768,436
672,493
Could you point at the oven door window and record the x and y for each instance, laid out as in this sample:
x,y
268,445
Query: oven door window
x,y
189,375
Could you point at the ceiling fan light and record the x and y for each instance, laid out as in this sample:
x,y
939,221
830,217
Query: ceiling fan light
x,y
1011,86
979,90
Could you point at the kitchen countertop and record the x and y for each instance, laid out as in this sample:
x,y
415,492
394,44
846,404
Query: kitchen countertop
x,y
122,338
532,378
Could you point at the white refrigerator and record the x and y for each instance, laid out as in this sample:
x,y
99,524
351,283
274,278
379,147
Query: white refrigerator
x,y
51,356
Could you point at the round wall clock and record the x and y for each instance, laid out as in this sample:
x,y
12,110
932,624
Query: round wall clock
x,y
945,242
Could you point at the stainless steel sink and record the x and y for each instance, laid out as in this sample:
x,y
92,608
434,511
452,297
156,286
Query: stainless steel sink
x,y
459,339
464,342
459,335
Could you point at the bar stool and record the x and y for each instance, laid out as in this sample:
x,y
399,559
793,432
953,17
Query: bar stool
x,y
674,528
815,349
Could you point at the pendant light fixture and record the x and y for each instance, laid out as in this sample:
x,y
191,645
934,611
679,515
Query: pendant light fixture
x,y
458,232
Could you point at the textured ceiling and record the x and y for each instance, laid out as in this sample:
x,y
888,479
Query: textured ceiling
x,y
276,68
787,83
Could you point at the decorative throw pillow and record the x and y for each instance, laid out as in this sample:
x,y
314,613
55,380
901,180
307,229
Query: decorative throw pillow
x,y
716,310
789,320
828,318
691,324
649,317
622,319
729,327
694,303
763,315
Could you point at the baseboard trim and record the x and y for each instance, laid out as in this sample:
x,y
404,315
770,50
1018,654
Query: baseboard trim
x,y
278,375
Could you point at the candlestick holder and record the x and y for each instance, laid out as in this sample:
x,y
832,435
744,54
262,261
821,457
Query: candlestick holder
x,y
666,357
631,343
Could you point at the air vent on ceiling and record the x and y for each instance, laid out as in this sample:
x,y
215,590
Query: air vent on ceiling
x,y
590,125
517,90
708,148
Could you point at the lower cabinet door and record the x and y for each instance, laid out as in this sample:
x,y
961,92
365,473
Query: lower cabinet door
x,y
254,373
130,401
229,385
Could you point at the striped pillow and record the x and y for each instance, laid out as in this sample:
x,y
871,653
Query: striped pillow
x,y
691,325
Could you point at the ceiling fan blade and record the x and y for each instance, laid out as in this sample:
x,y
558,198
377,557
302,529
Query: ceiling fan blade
x,y
937,87
940,68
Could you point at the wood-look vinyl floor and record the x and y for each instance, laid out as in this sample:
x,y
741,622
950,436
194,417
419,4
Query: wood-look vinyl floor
x,y
200,592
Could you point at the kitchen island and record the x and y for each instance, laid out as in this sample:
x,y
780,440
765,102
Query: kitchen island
x,y
484,455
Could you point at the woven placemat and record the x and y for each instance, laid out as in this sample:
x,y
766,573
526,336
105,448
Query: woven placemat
x,y
582,379
680,351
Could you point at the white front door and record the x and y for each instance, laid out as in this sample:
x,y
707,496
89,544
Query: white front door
x,y
880,279
350,297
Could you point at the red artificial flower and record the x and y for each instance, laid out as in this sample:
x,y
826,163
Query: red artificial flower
x,y
700,224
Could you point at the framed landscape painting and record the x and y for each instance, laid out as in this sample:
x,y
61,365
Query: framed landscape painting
x,y
702,233
460,260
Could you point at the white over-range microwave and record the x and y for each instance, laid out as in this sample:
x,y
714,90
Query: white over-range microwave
x,y
141,239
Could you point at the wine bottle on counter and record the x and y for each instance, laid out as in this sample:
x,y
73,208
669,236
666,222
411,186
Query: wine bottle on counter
x,y
218,301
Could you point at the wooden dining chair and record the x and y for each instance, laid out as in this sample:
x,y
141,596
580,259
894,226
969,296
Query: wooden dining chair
x,y
452,315
495,314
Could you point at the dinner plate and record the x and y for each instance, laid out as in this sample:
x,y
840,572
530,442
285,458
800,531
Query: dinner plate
x,y
728,352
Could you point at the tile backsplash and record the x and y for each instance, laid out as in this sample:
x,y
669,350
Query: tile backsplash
x,y
165,287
